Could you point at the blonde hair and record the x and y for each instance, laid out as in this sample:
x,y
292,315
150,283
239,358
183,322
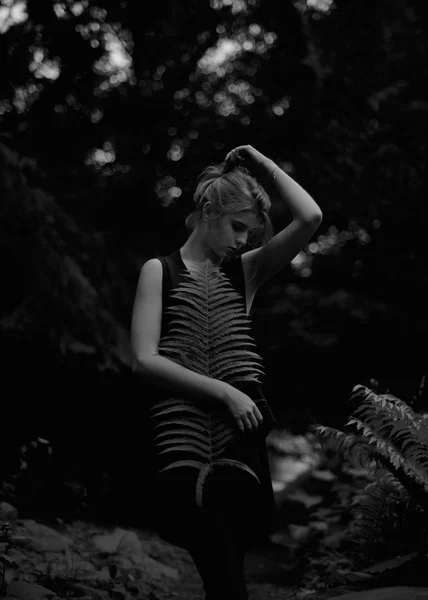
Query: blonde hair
x,y
221,190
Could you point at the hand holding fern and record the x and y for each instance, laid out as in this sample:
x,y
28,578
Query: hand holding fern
x,y
243,410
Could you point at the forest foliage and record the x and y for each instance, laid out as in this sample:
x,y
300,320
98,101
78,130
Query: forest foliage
x,y
107,119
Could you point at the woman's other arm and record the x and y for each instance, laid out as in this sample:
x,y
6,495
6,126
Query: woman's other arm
x,y
145,336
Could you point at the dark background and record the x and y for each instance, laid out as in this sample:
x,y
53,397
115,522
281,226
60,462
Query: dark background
x,y
108,112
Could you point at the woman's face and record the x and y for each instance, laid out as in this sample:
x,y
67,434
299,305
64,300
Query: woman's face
x,y
229,233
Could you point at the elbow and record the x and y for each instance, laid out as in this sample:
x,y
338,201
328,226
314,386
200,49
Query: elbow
x,y
310,222
142,363
139,364
314,220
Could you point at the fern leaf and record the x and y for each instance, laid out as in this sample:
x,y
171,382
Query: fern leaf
x,y
179,407
390,433
354,449
192,425
218,442
197,330
407,461
229,371
183,463
177,443
222,436
229,462
190,448
370,507
199,488
189,432
227,340
233,354
209,333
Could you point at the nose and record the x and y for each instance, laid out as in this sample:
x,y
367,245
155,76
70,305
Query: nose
x,y
242,240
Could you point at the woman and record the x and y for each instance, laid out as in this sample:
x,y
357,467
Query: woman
x,y
231,214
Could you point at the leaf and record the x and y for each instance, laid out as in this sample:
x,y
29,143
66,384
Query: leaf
x,y
391,564
200,484
186,448
193,434
210,334
182,407
183,463
228,462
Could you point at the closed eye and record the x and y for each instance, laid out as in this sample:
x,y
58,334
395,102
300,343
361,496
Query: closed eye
x,y
237,226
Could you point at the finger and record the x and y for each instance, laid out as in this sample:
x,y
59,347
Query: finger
x,y
240,426
253,420
247,423
258,414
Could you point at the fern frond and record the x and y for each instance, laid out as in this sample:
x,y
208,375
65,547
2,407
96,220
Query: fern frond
x,y
390,406
408,461
209,333
211,326
225,462
371,505
355,450
395,441
394,429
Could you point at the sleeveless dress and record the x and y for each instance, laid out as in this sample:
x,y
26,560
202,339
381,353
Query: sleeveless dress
x,y
248,505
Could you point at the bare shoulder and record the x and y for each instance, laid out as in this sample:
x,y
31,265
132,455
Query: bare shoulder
x,y
150,281
149,288
151,271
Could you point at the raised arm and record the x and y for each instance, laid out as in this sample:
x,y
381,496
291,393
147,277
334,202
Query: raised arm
x,y
262,263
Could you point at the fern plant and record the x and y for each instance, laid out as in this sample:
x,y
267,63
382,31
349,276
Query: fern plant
x,y
374,503
391,441
209,334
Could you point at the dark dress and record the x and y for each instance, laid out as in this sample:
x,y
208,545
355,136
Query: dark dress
x,y
248,506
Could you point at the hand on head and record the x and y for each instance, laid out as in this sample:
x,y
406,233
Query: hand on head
x,y
245,156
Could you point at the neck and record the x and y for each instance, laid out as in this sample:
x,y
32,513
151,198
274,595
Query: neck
x,y
195,250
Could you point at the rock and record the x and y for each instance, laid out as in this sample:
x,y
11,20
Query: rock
x,y
155,569
98,575
11,575
45,538
8,512
131,554
120,540
94,593
21,590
